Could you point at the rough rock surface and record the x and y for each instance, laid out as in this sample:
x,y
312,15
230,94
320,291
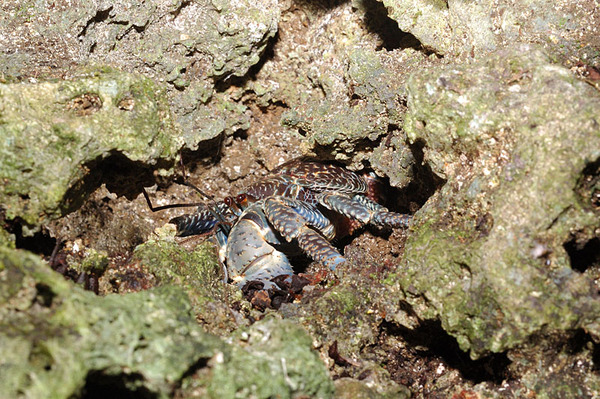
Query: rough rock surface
x,y
513,135
60,341
53,132
458,28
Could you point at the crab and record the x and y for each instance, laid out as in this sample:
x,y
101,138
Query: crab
x,y
256,229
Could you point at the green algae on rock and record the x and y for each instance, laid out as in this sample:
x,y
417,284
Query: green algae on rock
x,y
190,45
512,134
273,359
50,130
198,273
56,335
59,340
343,125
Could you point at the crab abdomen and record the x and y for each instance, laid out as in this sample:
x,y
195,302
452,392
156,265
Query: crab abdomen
x,y
250,253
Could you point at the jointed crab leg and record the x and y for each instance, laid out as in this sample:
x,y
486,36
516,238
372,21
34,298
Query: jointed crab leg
x,y
295,219
284,213
363,209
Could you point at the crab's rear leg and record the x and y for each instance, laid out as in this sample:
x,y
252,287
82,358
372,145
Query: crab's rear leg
x,y
298,220
363,209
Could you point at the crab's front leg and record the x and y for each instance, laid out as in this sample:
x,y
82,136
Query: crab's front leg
x,y
363,209
201,222
299,220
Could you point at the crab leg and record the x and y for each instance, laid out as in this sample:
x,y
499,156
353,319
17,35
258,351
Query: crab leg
x,y
298,220
198,223
363,209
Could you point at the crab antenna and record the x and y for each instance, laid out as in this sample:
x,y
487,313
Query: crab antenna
x,y
160,208
190,185
213,208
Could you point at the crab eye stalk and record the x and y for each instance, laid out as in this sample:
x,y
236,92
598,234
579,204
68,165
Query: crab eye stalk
x,y
242,200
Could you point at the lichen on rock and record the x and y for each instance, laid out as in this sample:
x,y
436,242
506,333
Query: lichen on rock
x,y
51,130
60,341
60,336
465,30
512,134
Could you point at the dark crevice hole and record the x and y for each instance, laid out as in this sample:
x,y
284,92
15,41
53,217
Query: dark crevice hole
x,y
580,341
101,16
209,153
588,186
121,176
175,13
423,185
222,84
121,386
438,344
40,243
583,255
199,365
240,134
44,295
139,28
378,22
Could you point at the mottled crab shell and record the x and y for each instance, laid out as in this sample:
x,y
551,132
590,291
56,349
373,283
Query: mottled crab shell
x,y
303,179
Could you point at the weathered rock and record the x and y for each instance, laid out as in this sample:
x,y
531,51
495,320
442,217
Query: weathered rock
x,y
55,335
51,130
346,123
198,272
188,44
513,135
347,388
457,28
273,360
338,89
59,341
557,367
214,38
339,70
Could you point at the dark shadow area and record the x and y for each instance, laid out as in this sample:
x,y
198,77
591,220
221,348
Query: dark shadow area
x,y
40,243
223,84
378,22
121,176
199,365
99,17
45,296
123,386
207,154
583,254
423,185
429,343
577,346
588,186
579,341
596,358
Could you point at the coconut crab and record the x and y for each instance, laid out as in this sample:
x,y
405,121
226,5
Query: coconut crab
x,y
255,229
